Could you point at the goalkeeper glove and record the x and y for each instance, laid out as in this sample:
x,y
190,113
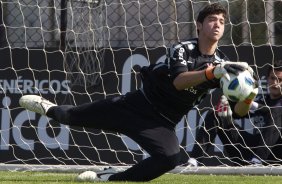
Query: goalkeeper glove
x,y
252,96
251,71
222,69
192,162
254,93
223,109
224,113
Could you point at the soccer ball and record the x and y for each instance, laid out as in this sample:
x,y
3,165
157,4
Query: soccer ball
x,y
238,88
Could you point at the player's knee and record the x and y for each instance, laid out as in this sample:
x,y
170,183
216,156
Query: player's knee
x,y
172,161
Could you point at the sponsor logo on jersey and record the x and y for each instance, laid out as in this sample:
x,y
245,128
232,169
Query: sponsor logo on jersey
x,y
180,56
191,90
191,46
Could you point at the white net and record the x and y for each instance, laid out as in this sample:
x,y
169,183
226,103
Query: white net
x,y
77,51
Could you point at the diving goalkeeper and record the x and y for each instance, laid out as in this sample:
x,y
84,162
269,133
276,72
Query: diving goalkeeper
x,y
149,115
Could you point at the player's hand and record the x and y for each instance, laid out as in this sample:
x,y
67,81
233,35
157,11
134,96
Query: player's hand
x,y
252,96
251,71
254,93
222,69
223,109
254,75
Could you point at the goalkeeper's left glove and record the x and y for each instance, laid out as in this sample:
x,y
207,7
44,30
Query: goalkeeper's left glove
x,y
222,69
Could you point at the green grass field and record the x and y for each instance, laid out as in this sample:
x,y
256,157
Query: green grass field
x,y
28,177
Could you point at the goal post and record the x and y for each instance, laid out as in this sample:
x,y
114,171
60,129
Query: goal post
x,y
78,51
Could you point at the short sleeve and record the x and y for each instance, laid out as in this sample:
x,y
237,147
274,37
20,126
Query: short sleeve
x,y
177,61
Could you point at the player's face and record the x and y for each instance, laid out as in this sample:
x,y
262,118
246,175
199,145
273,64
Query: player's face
x,y
275,84
213,27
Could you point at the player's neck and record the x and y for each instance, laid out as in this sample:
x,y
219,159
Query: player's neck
x,y
207,47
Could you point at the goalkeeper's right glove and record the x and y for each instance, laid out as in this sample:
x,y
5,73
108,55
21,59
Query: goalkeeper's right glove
x,y
252,96
222,69
223,109
255,91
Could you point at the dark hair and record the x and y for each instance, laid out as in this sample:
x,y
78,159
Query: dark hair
x,y
277,66
211,9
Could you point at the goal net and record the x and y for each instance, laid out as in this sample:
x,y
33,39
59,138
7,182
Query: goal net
x,y
78,51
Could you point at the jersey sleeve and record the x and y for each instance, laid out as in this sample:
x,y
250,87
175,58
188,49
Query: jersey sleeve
x,y
176,60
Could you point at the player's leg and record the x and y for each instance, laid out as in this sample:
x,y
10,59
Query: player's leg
x,y
160,142
162,145
132,116
108,114
155,135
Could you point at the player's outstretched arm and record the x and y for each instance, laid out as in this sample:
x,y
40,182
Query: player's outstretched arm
x,y
194,78
189,79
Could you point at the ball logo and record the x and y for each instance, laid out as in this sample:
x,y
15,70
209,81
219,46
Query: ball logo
x,y
249,81
234,84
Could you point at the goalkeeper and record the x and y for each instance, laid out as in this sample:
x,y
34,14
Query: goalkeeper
x,y
149,115
263,144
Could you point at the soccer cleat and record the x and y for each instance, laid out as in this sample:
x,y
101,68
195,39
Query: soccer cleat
x,y
96,176
35,103
192,162
87,176
256,162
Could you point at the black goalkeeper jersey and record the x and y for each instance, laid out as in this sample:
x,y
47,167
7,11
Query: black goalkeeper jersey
x,y
158,80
